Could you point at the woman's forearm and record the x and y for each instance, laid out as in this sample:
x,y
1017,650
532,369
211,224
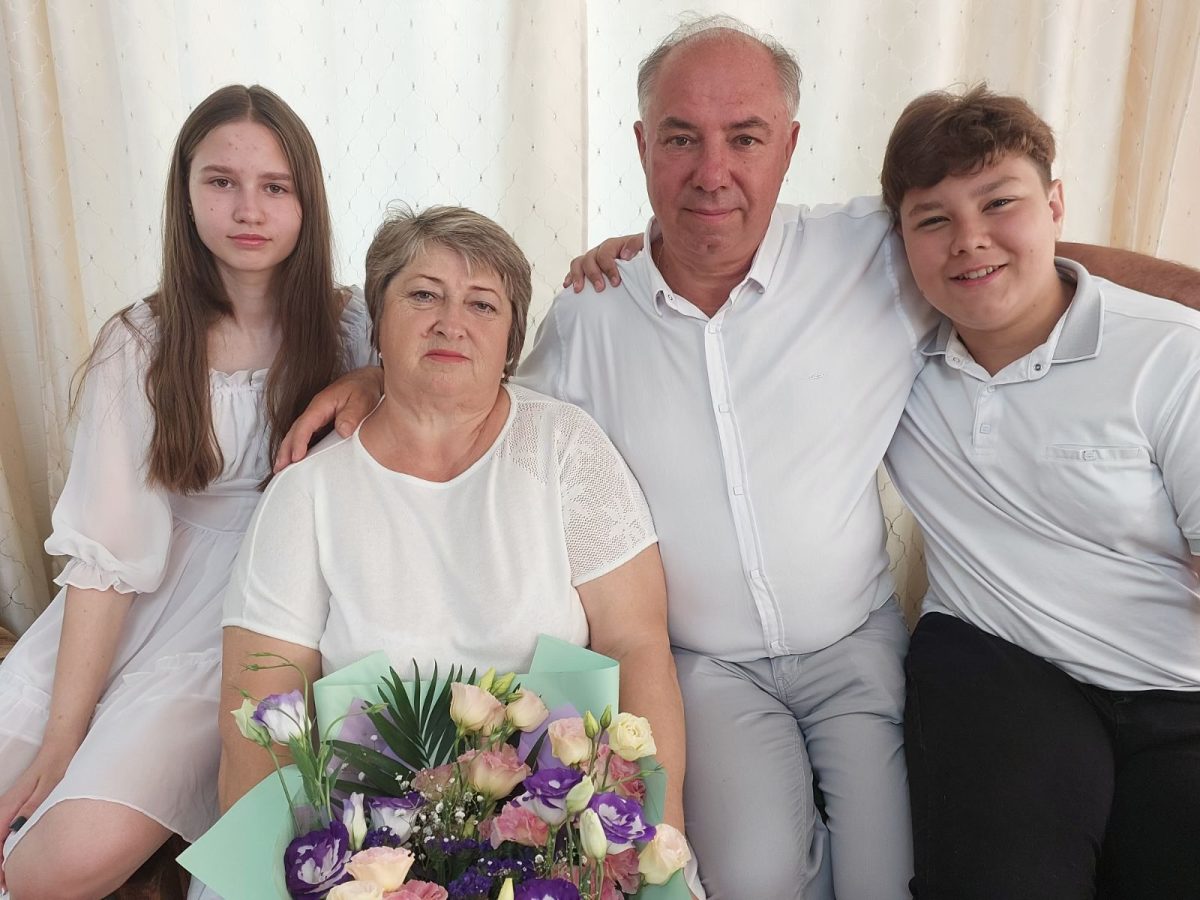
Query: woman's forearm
x,y
92,625
649,688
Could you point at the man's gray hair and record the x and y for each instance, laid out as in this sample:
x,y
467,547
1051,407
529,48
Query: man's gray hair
x,y
696,28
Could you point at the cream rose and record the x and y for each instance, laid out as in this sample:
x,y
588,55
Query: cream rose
x,y
387,867
568,742
527,711
663,856
473,709
630,738
355,890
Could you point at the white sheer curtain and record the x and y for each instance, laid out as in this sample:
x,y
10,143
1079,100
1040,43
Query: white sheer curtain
x,y
520,109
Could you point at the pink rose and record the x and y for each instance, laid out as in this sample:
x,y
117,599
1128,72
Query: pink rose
x,y
623,869
494,773
418,890
432,782
622,775
474,709
386,866
569,742
519,825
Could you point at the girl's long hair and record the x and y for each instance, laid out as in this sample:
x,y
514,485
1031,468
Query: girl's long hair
x,y
184,456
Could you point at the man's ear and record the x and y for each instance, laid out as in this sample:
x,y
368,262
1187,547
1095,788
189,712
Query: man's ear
x,y
793,138
639,131
1058,209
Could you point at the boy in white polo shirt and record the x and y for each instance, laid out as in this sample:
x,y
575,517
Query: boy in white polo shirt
x,y
1050,450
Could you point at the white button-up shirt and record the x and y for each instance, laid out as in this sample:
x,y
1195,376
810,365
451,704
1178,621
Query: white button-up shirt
x,y
756,434
1060,498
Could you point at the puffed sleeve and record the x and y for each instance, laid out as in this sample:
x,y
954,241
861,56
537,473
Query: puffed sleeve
x,y
115,527
277,588
356,332
606,521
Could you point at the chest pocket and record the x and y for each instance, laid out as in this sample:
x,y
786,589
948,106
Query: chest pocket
x,y
1111,495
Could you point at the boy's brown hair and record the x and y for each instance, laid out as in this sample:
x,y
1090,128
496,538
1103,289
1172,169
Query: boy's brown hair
x,y
942,133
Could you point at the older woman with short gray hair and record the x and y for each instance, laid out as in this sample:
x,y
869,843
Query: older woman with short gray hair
x,y
463,517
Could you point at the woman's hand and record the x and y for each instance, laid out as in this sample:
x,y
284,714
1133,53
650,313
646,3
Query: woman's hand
x,y
601,261
345,403
31,788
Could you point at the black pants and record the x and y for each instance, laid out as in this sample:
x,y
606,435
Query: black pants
x,y
1027,784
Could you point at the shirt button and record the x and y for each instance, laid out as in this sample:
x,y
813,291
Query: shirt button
x,y
756,574
738,490
723,407
985,428
991,389
1090,454
1037,367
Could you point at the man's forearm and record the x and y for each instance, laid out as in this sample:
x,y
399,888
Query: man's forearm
x,y
1147,274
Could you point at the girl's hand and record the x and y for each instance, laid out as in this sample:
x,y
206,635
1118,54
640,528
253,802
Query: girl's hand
x,y
30,789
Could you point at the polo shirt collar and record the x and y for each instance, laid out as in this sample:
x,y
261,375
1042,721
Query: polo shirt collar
x,y
1076,336
762,268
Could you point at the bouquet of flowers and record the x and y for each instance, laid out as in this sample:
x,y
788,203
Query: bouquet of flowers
x,y
464,789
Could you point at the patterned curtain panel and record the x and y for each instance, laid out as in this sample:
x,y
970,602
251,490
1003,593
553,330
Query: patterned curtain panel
x,y
523,110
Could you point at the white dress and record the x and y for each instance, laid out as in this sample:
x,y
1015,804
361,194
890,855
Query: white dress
x,y
153,743
349,557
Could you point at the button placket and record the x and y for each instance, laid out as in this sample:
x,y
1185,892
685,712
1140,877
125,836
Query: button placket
x,y
739,500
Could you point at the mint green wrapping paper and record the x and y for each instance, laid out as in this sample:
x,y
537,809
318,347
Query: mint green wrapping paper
x,y
241,856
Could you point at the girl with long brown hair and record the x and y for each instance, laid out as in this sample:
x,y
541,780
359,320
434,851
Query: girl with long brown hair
x,y
108,740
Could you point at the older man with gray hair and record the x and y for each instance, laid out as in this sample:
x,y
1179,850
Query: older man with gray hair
x,y
751,368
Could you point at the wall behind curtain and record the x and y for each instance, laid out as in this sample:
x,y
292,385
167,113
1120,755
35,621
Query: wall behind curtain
x,y
523,110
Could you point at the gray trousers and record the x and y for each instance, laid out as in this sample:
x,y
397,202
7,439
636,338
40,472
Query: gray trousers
x,y
759,733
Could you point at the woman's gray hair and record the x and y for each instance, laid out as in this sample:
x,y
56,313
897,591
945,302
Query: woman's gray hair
x,y
697,28
479,240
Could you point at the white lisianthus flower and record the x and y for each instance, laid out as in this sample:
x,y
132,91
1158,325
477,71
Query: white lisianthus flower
x,y
355,820
284,716
579,796
591,835
630,738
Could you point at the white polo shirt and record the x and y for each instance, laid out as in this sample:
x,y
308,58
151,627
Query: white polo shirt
x,y
756,434
1060,498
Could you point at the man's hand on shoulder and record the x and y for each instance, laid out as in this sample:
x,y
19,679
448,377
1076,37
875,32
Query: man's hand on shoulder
x,y
345,403
1148,274
601,262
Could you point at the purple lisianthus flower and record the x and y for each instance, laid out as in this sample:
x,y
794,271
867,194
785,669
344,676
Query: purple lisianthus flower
x,y
546,889
396,813
313,863
283,715
622,820
546,794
